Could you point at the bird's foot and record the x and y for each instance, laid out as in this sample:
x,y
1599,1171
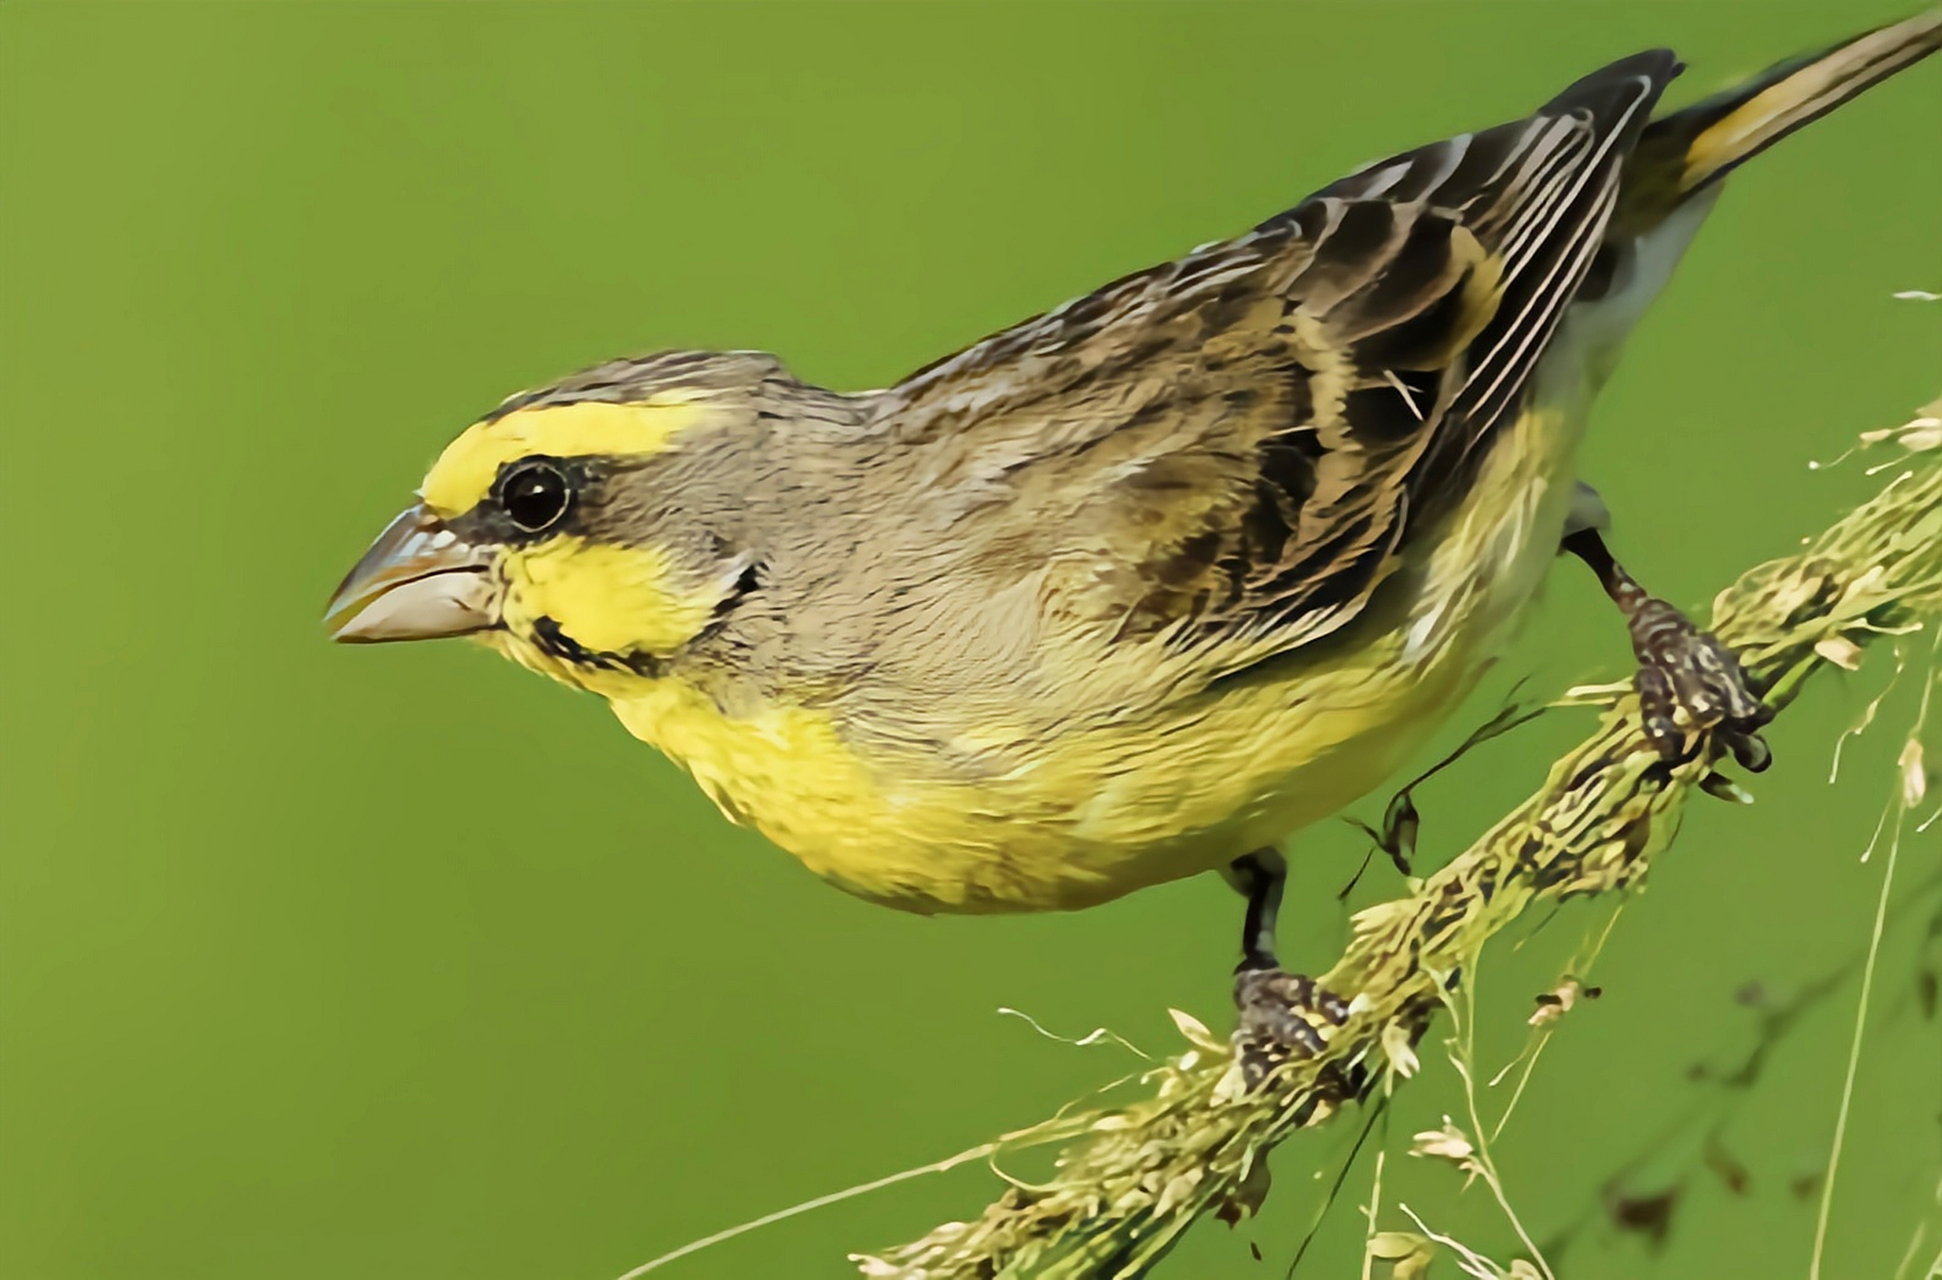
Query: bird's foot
x,y
1682,668
1282,1016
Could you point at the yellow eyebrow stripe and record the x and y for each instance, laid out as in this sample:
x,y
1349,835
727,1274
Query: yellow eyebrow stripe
x,y
464,473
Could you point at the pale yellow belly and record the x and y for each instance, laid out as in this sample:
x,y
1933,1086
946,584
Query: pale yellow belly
x,y
1099,814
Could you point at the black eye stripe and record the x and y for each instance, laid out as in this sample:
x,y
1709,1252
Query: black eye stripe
x,y
491,522
590,480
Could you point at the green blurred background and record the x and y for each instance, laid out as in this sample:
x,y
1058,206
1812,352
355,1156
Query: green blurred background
x,y
402,963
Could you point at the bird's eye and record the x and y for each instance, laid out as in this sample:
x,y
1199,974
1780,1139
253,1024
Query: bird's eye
x,y
535,495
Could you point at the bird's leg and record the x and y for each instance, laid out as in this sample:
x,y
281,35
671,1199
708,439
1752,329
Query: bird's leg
x,y
1680,667
1281,1013
1260,876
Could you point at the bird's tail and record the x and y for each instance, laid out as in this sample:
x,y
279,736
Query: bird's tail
x,y
1686,151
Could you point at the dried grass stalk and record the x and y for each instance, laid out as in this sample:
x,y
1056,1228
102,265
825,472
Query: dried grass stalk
x,y
1132,1180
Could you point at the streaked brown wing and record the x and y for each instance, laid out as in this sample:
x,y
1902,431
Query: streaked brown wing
x,y
1238,444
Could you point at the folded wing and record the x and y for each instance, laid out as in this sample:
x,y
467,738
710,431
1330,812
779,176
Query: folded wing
x,y
1231,451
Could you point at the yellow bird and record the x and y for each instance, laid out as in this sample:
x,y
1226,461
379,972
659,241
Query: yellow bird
x,y
1138,588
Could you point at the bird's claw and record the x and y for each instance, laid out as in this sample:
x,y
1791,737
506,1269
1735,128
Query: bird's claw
x,y
1282,1016
1682,668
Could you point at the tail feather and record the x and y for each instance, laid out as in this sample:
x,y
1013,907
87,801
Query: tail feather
x,y
1688,150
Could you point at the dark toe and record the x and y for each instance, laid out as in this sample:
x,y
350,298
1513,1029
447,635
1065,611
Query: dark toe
x,y
1657,708
1282,1015
1682,668
1749,749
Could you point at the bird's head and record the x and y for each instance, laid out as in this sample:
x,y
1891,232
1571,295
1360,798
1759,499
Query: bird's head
x,y
594,526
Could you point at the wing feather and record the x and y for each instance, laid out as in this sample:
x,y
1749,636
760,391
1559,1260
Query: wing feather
x,y
1231,451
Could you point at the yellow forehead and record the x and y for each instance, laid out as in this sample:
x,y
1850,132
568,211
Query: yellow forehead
x,y
464,473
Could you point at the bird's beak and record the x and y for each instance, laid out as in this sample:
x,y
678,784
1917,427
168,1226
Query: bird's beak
x,y
417,582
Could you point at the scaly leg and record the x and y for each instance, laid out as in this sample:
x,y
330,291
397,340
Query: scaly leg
x,y
1280,1012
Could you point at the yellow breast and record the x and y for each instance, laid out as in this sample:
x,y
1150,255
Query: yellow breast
x,y
1094,815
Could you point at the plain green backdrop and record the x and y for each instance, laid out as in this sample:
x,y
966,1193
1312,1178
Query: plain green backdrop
x,y
331,963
